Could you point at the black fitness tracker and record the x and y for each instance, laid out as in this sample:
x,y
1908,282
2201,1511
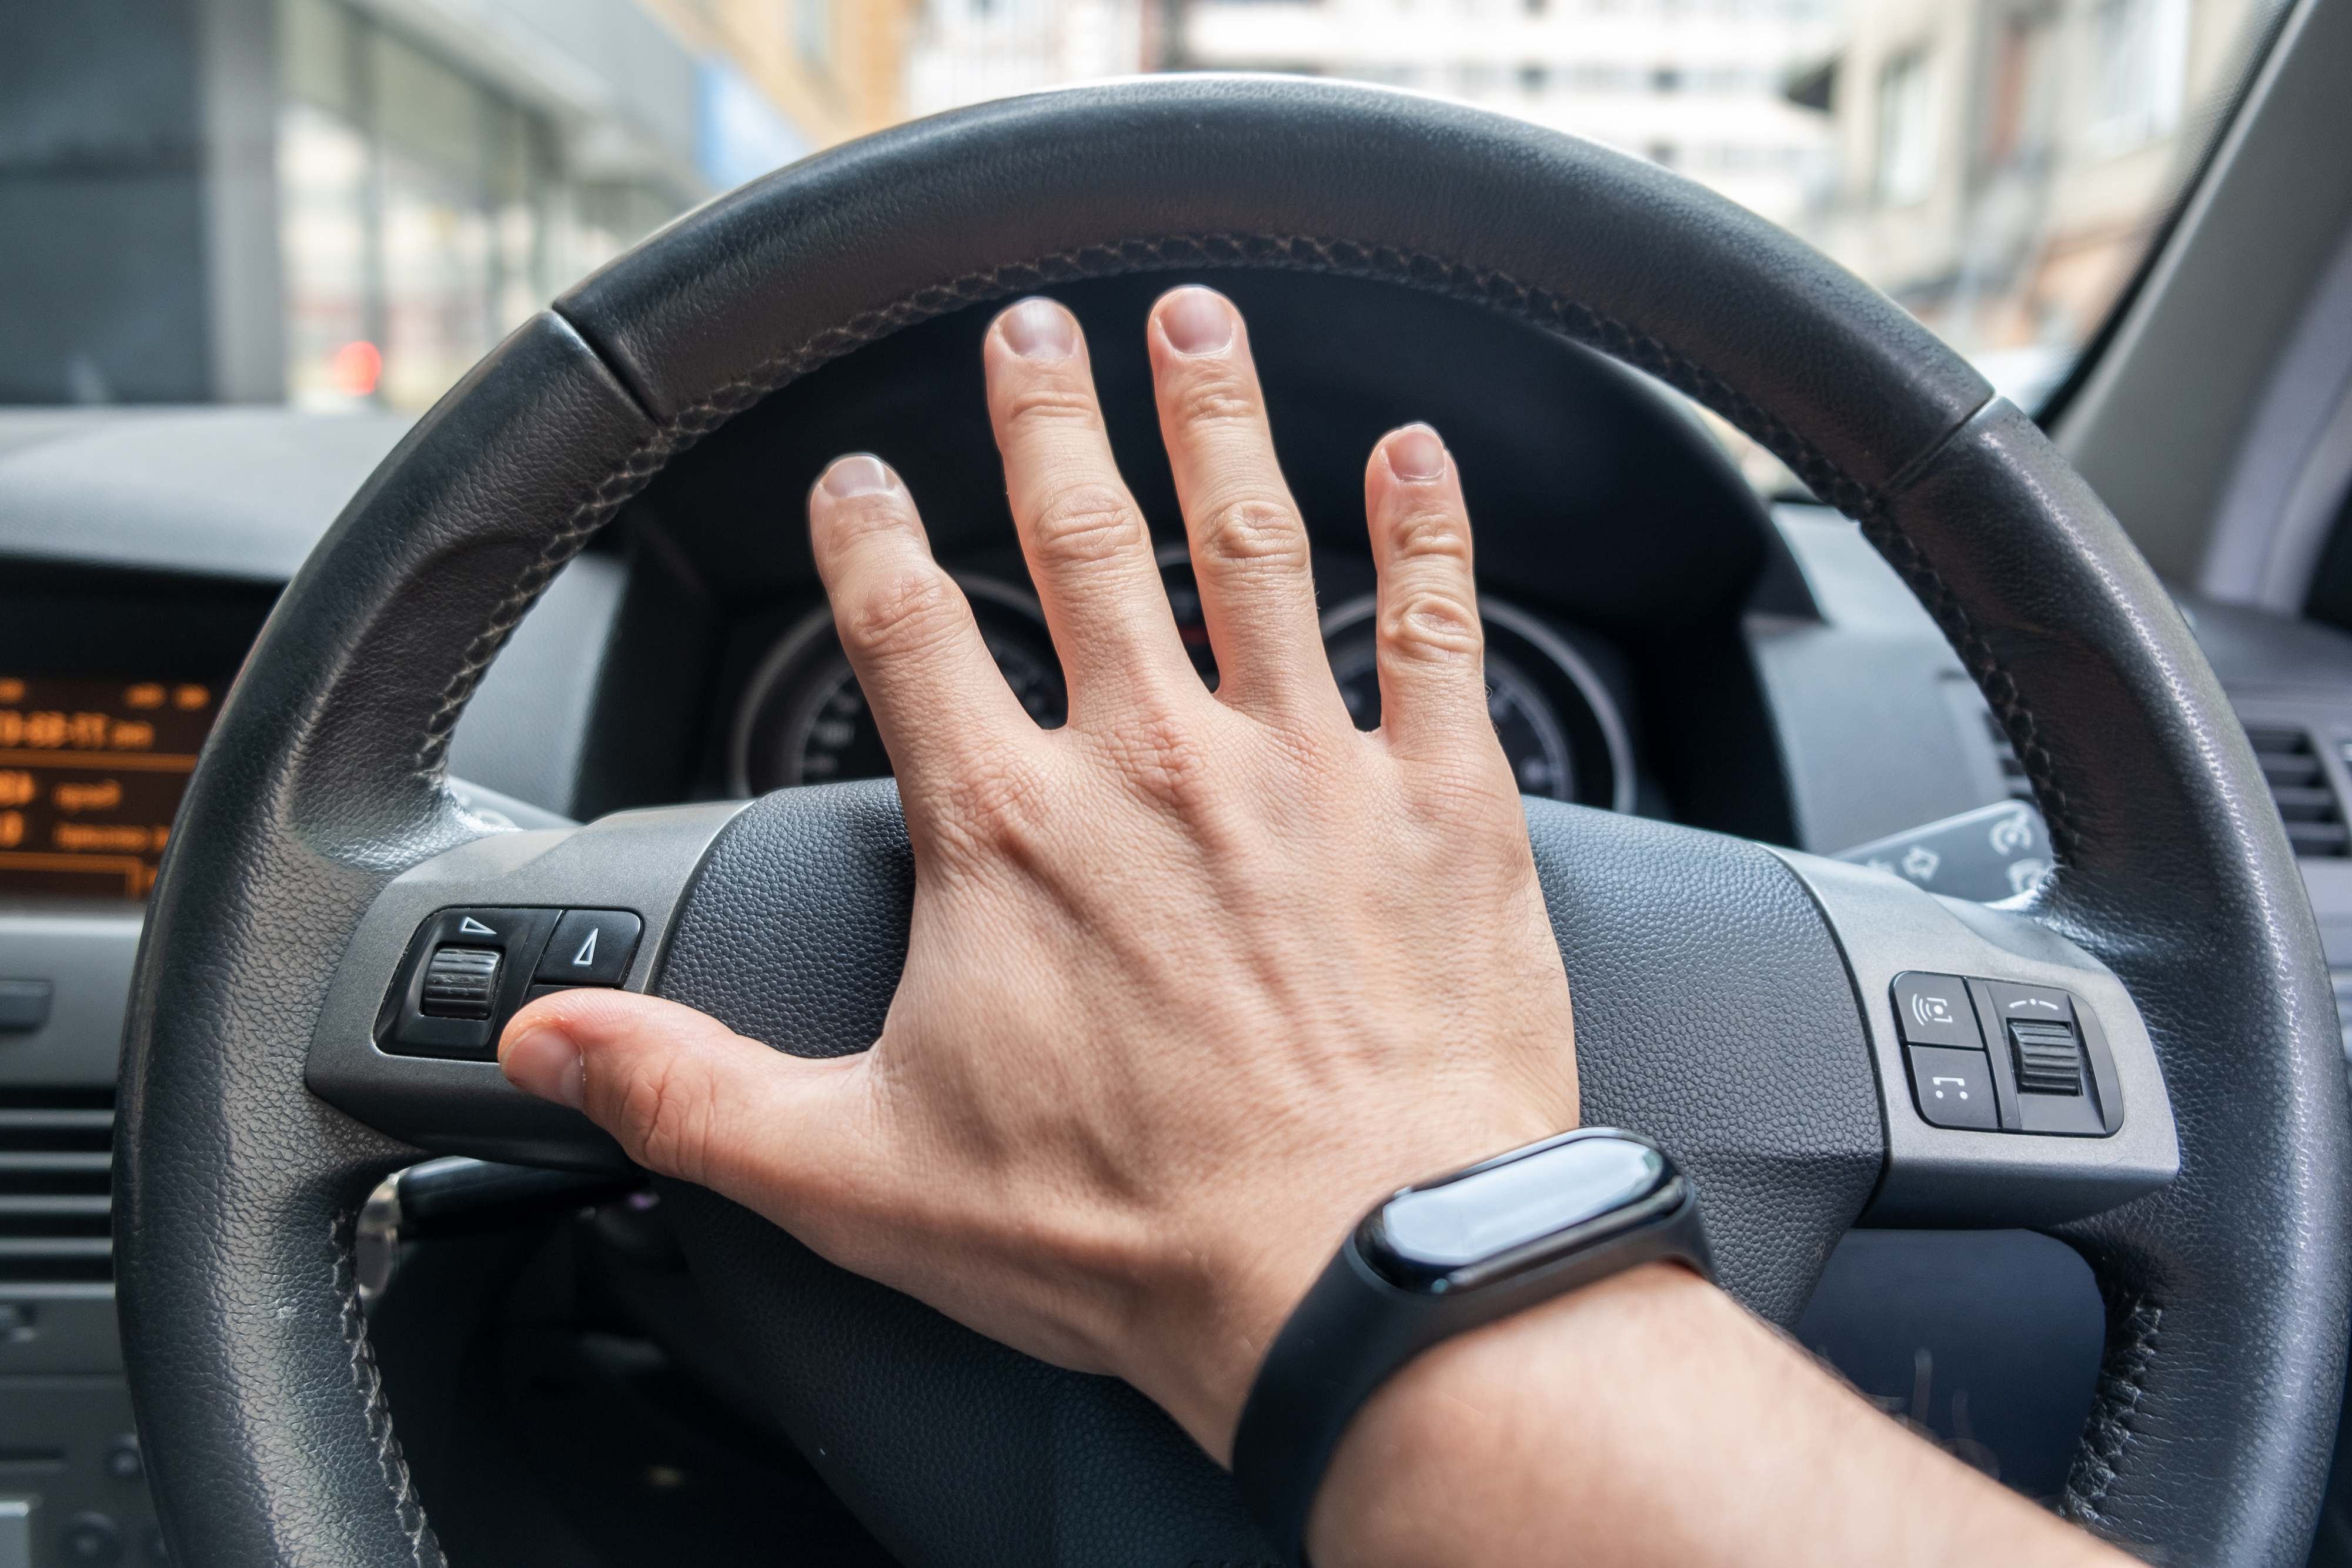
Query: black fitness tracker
x,y
1439,1260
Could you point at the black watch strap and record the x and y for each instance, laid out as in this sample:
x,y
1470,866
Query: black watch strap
x,y
1438,1260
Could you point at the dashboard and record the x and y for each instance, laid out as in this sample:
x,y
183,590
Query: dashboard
x,y
1661,640
1618,550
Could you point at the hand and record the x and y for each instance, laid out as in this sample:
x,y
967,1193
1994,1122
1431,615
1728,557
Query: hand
x,y
1194,980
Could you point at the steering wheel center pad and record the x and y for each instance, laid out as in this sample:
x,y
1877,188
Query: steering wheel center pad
x,y
2227,1290
1698,965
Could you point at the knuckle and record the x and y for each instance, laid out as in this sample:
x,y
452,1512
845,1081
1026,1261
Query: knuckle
x,y
997,805
1430,533
664,1119
903,613
1083,524
1044,400
1254,530
1432,623
1162,761
842,524
1215,395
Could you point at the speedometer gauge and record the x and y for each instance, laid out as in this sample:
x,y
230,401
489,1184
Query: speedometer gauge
x,y
1523,718
804,720
1557,724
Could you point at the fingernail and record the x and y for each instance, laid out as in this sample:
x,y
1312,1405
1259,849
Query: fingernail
x,y
859,473
1415,452
1040,329
547,1063
1197,320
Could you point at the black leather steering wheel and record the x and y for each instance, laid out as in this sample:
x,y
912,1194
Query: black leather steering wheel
x,y
267,1435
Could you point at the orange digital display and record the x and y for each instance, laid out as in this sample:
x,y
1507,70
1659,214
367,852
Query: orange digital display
x,y
91,771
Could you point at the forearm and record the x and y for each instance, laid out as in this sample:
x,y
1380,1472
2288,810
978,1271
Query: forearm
x,y
1649,1420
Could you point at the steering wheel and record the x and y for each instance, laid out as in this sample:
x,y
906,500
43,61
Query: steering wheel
x,y
1733,1002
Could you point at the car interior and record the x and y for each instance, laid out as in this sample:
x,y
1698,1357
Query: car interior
x,y
546,1359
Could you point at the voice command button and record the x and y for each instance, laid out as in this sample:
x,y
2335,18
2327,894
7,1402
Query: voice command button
x,y
1934,1009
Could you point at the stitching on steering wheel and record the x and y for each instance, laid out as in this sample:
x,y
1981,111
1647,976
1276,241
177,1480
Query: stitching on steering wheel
x,y
2133,1326
1978,658
423,1546
1494,290
432,754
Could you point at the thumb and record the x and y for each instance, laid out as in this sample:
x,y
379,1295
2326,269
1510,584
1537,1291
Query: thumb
x,y
684,1095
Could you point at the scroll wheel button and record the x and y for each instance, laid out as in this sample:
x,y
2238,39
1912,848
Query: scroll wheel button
x,y
461,982
2049,1058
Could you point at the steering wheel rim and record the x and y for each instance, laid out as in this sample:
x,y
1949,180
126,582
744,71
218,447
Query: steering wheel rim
x,y
268,1432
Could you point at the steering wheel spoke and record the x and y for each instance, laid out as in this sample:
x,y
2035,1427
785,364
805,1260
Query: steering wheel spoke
x,y
2018,1080
451,948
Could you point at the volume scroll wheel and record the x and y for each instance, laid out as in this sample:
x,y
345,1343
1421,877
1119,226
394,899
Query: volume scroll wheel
x,y
461,983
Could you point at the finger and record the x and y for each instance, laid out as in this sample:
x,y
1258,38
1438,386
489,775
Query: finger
x,y
1249,546
1089,549
1430,648
941,705
684,1095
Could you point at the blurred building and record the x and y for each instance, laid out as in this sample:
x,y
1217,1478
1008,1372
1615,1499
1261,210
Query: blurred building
x,y
348,201
834,69
964,51
1695,85
2005,163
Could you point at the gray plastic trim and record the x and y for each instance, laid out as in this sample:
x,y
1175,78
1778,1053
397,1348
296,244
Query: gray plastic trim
x,y
1951,1178
641,861
86,950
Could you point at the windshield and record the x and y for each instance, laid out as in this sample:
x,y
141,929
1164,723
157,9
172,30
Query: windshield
x,y
1999,167
387,189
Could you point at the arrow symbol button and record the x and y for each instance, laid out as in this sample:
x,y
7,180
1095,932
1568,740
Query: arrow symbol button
x,y
591,947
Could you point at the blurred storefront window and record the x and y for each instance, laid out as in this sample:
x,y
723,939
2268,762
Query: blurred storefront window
x,y
2055,137
1999,166
423,211
1907,129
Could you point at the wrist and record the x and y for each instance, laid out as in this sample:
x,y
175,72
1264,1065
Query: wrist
x,y
1200,1319
1650,1418
1194,1343
1438,1261
1393,1484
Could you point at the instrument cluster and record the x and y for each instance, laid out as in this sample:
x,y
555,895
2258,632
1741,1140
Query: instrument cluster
x,y
803,720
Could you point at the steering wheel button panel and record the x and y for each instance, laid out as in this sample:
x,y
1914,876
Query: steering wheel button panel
x,y
1953,1088
1942,979
540,900
2034,1041
591,947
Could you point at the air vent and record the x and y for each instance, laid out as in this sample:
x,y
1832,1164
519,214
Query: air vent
x,y
2298,781
56,1152
2012,771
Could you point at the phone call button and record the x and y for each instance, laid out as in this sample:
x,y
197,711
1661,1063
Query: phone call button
x,y
1934,1009
1953,1088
